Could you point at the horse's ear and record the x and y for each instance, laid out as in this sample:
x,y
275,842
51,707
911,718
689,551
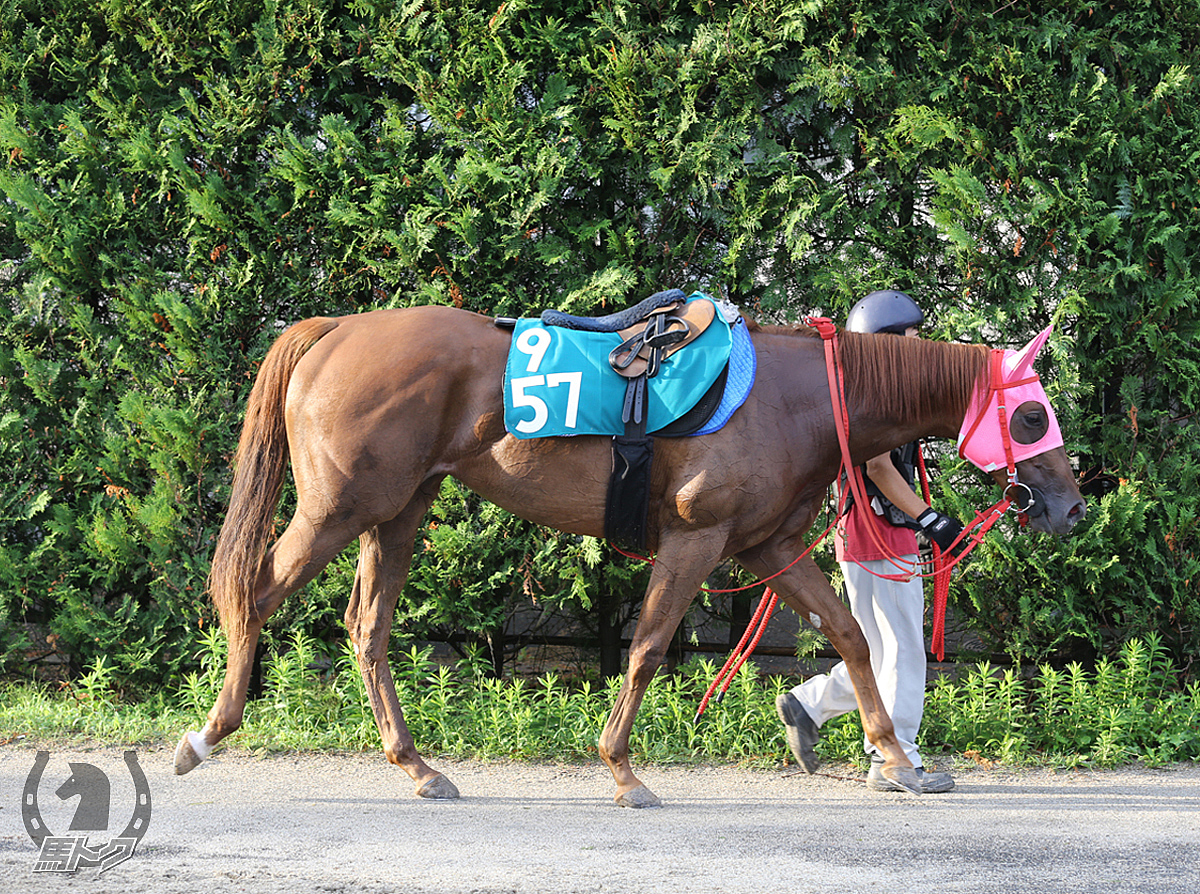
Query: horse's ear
x,y
1021,362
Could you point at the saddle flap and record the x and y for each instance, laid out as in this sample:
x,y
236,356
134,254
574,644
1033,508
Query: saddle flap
x,y
668,329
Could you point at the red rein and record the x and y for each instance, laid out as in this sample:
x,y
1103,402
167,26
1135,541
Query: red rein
x,y
942,566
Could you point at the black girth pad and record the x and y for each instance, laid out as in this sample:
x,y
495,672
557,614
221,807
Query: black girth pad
x,y
628,501
628,491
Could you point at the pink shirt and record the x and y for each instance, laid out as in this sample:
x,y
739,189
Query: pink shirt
x,y
857,544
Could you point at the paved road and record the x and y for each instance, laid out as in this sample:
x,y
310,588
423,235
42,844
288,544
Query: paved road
x,y
348,823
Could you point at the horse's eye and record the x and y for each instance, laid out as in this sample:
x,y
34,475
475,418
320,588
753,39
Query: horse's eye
x,y
1030,423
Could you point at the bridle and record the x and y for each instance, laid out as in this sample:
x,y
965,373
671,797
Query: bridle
x,y
972,534
1035,503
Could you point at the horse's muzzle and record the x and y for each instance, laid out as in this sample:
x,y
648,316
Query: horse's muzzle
x,y
1050,516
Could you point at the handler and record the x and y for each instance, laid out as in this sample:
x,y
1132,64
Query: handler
x,y
890,612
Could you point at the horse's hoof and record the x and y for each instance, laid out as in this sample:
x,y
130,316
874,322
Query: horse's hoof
x,y
439,788
638,797
190,752
905,777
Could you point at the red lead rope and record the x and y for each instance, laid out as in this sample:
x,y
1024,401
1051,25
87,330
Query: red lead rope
x,y
942,566
941,577
753,632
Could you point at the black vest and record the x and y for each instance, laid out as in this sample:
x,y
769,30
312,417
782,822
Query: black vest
x,y
905,460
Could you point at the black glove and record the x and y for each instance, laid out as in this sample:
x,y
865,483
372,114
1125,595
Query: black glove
x,y
940,528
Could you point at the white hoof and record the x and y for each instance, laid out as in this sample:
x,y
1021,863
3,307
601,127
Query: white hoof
x,y
191,752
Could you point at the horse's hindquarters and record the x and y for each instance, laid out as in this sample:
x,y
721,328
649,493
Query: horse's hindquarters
x,y
391,399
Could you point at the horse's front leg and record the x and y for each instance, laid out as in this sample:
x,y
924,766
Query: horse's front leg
x,y
805,588
385,553
679,570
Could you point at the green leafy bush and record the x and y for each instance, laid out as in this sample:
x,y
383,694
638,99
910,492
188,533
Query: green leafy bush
x,y
178,184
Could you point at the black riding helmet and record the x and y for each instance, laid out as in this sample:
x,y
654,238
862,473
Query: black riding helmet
x,y
885,311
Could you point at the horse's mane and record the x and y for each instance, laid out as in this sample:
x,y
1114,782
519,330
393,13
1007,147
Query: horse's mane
x,y
912,378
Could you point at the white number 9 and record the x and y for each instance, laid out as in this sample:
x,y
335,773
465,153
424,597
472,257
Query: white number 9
x,y
534,342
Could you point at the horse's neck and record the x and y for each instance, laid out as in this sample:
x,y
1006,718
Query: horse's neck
x,y
872,436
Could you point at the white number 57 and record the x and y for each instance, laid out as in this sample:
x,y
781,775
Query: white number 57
x,y
541,414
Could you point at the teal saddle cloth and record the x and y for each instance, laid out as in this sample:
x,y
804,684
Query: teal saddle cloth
x,y
558,381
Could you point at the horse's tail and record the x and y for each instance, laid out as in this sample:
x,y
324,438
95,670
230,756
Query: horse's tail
x,y
260,467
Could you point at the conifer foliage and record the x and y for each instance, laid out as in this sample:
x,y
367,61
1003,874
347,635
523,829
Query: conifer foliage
x,y
180,181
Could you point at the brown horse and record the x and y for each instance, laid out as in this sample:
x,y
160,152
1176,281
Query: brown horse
x,y
376,409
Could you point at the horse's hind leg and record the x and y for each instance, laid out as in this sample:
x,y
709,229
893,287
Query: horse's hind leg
x,y
295,559
383,561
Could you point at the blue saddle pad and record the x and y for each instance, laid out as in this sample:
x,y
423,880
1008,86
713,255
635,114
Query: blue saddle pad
x,y
743,364
558,381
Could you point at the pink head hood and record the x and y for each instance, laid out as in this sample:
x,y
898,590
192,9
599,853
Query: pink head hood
x,y
981,439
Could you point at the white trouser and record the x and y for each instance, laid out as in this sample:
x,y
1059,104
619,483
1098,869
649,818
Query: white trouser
x,y
891,615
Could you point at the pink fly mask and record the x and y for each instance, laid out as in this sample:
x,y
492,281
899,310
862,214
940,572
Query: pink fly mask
x,y
985,437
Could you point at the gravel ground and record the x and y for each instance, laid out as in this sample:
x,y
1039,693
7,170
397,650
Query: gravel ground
x,y
349,823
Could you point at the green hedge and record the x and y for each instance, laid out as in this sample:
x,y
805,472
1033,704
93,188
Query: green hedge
x,y
178,184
